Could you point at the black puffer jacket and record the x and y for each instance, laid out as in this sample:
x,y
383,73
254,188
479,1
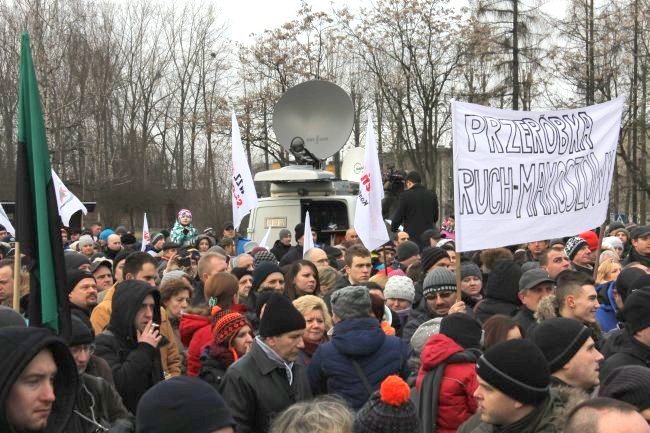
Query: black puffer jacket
x,y
18,346
136,366
256,390
417,211
97,398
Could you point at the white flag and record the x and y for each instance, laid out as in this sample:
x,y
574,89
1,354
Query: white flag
x,y
265,239
146,237
4,220
67,202
307,240
368,220
244,196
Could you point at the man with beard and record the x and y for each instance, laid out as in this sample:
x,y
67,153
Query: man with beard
x,y
82,289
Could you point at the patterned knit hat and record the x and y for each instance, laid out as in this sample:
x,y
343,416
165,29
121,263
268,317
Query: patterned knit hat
x,y
186,213
227,324
400,288
573,245
389,410
264,256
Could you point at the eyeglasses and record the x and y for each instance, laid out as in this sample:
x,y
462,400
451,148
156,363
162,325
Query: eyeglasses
x,y
90,348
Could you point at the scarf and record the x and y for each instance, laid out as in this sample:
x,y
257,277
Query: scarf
x,y
273,356
183,235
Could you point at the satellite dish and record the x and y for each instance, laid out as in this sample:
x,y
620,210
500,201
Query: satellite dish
x,y
313,120
353,164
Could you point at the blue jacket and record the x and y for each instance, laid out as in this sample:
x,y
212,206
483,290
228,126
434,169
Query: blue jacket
x,y
331,369
606,313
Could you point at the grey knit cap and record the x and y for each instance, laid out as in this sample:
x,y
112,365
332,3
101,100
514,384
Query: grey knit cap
x,y
424,332
284,233
400,287
438,280
527,266
351,302
470,269
172,275
86,240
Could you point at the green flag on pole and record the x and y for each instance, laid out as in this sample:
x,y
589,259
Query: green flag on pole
x,y
38,226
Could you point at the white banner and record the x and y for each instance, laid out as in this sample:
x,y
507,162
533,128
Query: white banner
x,y
244,196
4,220
526,176
67,202
368,220
307,241
146,236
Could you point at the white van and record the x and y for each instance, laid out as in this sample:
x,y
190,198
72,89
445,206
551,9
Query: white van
x,y
296,190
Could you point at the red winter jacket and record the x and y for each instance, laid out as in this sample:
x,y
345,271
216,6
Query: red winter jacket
x,y
196,333
456,402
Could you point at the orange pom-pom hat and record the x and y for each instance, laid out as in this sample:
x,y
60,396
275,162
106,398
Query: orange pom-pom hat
x,y
394,391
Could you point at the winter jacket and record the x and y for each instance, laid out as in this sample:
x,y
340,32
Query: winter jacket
x,y
136,366
215,360
185,236
256,390
196,334
635,256
606,313
543,419
97,399
293,254
501,291
417,211
18,346
332,370
169,355
526,318
626,350
279,249
548,308
453,393
416,317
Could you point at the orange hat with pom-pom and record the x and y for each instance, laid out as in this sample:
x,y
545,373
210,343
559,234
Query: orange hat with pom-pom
x,y
388,410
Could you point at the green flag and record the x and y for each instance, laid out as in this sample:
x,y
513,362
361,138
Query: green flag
x,y
38,226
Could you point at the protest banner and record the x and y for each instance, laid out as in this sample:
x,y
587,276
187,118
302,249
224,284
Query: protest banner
x,y
526,176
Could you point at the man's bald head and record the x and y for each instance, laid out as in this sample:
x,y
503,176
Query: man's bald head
x,y
351,235
318,257
114,242
605,415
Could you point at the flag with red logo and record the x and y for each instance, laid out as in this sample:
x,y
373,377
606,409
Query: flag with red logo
x,y
244,196
368,220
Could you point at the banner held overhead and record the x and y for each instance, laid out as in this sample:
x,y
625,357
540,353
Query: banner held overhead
x,y
524,176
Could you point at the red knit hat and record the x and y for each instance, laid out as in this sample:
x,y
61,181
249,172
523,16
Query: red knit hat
x,y
227,324
591,238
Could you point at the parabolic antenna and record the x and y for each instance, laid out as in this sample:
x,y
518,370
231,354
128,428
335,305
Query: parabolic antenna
x,y
313,119
353,164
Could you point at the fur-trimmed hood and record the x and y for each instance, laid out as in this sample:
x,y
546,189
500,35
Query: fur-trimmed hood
x,y
547,308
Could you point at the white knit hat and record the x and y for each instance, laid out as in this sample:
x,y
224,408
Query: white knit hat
x,y
399,287
86,240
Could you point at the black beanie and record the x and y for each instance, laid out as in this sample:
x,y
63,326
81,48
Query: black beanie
x,y
430,256
74,259
503,282
300,230
81,333
518,369
462,329
262,298
637,311
182,404
280,317
261,272
559,339
76,275
407,250
241,272
630,383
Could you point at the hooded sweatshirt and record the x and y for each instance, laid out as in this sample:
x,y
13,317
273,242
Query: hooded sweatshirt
x,y
18,346
136,366
501,291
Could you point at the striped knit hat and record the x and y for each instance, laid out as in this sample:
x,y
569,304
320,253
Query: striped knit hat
x,y
227,324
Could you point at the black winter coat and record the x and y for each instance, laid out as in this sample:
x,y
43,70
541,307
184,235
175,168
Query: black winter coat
x,y
293,254
256,390
106,405
626,350
417,211
136,366
279,249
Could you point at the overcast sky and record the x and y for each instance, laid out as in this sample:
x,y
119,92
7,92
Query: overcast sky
x,y
254,16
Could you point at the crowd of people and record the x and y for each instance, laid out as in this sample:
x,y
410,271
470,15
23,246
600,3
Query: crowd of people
x,y
206,332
